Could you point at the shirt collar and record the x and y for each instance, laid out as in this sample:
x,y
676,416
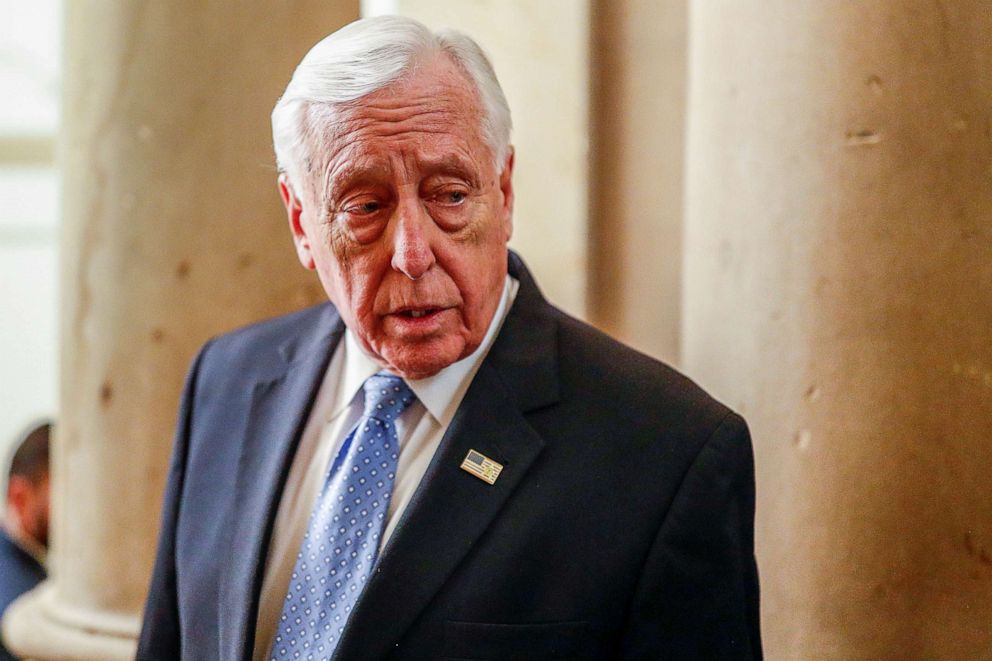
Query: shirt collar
x,y
440,394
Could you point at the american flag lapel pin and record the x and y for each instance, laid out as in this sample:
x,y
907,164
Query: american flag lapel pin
x,y
481,466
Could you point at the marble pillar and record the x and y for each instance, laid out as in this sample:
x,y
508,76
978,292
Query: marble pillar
x,y
172,232
838,292
638,127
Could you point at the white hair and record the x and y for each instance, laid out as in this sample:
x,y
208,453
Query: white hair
x,y
366,56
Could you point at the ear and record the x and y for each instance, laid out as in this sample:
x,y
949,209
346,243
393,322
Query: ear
x,y
506,187
294,213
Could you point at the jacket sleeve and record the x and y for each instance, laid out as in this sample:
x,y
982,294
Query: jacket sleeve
x,y
160,632
698,592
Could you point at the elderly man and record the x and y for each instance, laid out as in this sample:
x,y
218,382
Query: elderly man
x,y
438,463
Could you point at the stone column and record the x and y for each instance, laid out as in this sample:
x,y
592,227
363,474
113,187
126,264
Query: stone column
x,y
838,292
172,232
636,182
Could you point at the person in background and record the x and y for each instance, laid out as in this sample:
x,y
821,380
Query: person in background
x,y
24,529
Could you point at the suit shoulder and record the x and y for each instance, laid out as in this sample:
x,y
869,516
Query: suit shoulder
x,y
260,347
20,571
267,331
598,366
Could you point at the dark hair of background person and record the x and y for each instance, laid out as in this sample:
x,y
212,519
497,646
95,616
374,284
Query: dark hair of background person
x,y
30,458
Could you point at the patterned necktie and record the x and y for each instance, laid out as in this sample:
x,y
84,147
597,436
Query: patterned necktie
x,y
342,539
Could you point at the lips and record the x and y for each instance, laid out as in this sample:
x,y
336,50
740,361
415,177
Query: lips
x,y
417,314
419,311
416,321
421,319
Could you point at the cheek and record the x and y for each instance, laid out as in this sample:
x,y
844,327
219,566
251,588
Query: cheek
x,y
481,272
335,264
355,279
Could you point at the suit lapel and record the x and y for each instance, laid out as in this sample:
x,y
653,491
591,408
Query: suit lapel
x,y
451,508
280,405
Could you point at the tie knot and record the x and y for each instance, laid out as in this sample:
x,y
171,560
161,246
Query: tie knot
x,y
386,396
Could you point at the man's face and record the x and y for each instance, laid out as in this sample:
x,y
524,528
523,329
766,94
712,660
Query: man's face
x,y
405,218
28,498
36,519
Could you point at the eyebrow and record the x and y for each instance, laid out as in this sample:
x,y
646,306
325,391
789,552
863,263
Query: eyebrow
x,y
353,173
452,165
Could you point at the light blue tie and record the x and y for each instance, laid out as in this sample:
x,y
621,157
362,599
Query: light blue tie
x,y
342,540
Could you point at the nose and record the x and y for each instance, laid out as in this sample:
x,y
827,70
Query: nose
x,y
412,252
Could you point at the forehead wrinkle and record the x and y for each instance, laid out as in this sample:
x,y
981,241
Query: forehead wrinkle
x,y
350,131
449,108
443,102
356,150
353,172
387,104
436,121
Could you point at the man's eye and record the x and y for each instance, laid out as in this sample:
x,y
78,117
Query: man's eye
x,y
453,197
364,208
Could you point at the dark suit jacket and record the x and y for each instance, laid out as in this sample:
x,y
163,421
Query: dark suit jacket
x,y
19,572
620,527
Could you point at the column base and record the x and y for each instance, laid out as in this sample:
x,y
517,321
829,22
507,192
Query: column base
x,y
37,626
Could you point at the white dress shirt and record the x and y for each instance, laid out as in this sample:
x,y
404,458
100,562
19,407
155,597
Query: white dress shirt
x,y
337,408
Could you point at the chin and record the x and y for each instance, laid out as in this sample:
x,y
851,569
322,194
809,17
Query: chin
x,y
421,362
419,369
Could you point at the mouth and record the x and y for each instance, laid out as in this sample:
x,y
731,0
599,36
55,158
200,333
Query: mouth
x,y
419,312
